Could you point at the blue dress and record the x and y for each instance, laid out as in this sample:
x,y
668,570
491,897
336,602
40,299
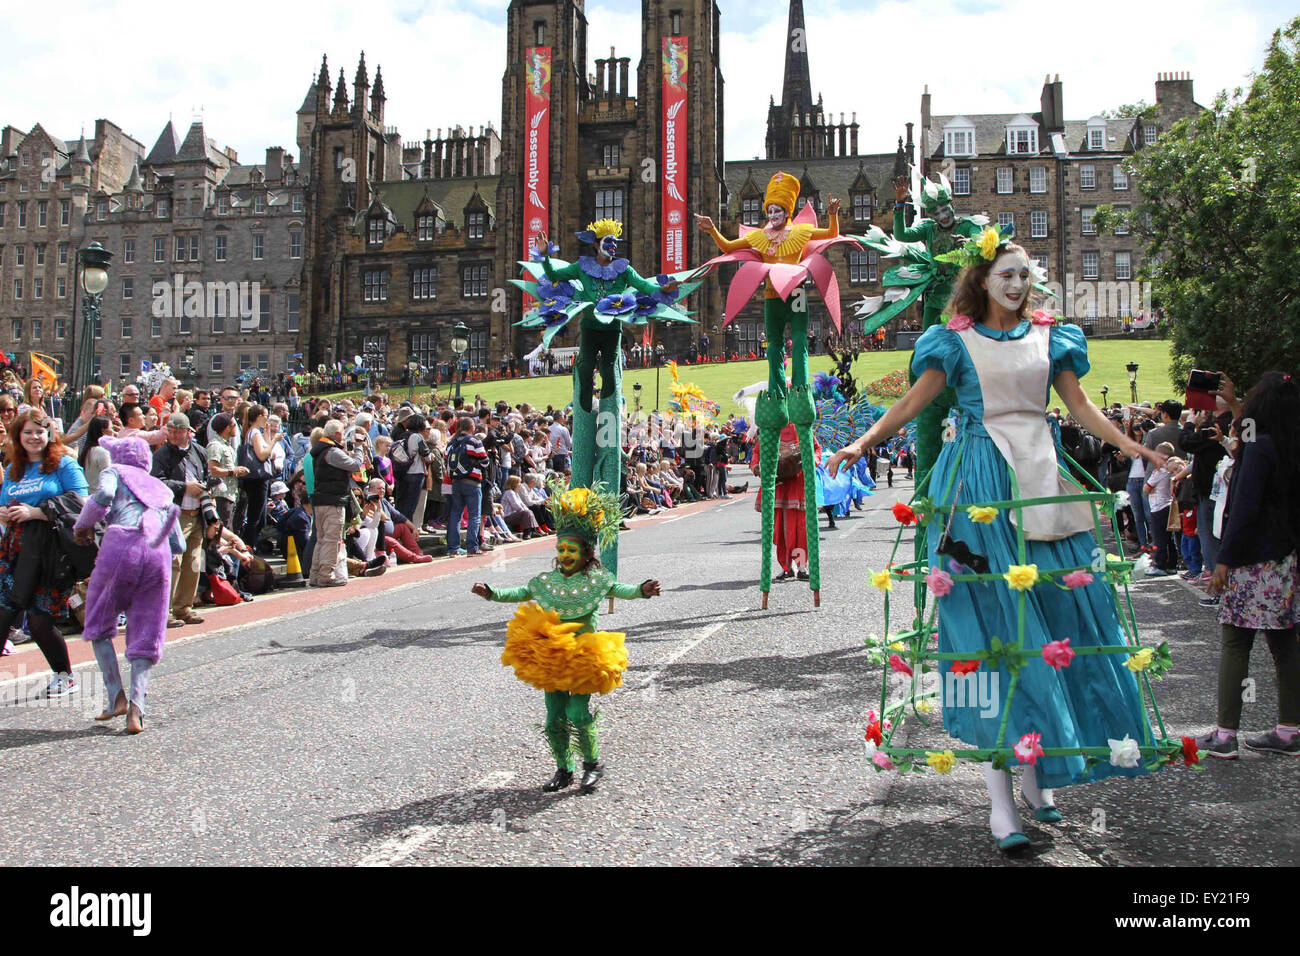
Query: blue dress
x,y
1096,697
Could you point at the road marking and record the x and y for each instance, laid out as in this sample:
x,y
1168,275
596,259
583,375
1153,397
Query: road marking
x,y
690,645
400,848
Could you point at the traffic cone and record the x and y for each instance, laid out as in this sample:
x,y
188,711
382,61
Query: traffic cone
x,y
292,568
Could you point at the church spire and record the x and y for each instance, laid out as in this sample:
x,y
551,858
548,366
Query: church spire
x,y
796,92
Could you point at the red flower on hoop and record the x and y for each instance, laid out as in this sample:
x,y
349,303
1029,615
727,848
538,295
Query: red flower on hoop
x,y
1191,753
964,667
904,514
1043,317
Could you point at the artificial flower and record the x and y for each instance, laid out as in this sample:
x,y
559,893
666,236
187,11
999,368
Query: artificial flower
x,y
959,323
882,761
942,762
980,515
896,646
964,667
1191,753
1139,661
1058,654
988,243
1043,317
925,707
871,751
1122,500
939,582
1124,753
873,732
898,665
1021,577
1141,565
872,716
882,580
904,514
619,303
1077,579
1029,748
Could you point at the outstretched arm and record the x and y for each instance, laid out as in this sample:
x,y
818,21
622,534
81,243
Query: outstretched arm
x,y
833,229
1090,417
504,595
926,390
647,588
726,245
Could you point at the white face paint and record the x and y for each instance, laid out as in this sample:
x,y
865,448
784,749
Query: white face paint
x,y
1010,280
944,216
776,216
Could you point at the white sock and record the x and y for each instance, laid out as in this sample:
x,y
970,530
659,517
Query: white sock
x,y
1029,787
1003,819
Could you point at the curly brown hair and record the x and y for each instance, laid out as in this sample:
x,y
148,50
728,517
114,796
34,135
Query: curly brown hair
x,y
54,450
970,297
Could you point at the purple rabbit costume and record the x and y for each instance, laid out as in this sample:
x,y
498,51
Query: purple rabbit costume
x,y
133,570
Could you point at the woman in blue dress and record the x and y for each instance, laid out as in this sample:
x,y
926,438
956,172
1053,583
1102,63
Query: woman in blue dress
x,y
1002,361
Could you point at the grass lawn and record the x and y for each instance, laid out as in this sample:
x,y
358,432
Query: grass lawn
x,y
719,382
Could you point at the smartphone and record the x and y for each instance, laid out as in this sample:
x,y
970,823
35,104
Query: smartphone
x,y
1204,381
1128,413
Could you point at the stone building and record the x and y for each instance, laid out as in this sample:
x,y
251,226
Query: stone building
x,y
47,186
208,263
1047,175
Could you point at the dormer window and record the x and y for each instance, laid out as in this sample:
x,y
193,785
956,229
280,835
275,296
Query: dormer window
x,y
223,204
862,206
426,228
259,203
475,224
959,139
1096,133
751,211
375,234
1022,136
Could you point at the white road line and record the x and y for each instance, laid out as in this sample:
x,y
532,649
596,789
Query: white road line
x,y
690,645
400,848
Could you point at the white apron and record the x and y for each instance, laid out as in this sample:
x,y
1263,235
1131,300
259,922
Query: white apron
x,y
1013,377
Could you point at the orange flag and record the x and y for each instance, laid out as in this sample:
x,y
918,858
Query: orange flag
x,y
43,370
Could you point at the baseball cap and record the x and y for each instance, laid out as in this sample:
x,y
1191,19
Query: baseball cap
x,y
179,420
279,488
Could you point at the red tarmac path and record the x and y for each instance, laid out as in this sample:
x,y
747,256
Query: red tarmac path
x,y
27,659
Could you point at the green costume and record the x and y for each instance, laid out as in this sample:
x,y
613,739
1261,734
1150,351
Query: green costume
x,y
576,599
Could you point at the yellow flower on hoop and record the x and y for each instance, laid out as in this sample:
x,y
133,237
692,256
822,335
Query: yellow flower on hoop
x,y
942,762
1021,577
882,580
981,515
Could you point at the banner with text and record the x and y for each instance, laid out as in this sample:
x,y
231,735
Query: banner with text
x,y
676,65
537,149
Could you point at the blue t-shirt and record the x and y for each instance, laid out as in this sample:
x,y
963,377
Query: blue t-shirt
x,y
37,487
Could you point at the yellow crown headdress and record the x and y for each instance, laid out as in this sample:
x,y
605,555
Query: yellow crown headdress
x,y
783,190
598,230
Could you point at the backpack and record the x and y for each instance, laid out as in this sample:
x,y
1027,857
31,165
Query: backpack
x,y
400,454
459,463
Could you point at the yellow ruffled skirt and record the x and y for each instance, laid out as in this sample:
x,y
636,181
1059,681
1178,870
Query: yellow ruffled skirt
x,y
550,655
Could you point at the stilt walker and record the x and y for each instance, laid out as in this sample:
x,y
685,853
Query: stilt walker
x,y
552,642
787,251
606,292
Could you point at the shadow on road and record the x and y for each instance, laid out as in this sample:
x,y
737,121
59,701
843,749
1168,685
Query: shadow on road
x,y
9,739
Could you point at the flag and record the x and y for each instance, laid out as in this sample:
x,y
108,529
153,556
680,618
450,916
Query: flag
x,y
43,369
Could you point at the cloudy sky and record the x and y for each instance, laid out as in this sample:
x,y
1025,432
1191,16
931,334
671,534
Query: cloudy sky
x,y
246,67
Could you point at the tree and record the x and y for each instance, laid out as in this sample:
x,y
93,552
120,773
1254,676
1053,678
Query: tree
x,y
1140,109
1221,218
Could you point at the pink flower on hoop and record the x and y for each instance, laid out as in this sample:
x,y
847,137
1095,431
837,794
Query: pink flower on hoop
x,y
1058,654
882,761
960,322
898,665
1043,317
1077,579
939,582
1029,749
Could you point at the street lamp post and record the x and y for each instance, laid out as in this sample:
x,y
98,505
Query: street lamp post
x,y
459,345
412,369
95,261
1105,390
636,393
1132,368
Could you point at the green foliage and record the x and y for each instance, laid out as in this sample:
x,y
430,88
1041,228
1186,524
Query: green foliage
x,y
1141,109
1222,193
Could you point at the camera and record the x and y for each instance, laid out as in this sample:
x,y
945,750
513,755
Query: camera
x,y
214,482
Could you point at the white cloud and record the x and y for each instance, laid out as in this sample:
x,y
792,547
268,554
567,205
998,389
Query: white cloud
x,y
248,65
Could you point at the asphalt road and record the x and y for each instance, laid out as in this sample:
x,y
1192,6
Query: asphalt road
x,y
384,730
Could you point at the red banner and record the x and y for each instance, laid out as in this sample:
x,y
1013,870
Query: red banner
x,y
675,131
537,148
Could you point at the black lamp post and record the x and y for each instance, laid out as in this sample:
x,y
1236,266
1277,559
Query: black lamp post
x,y
636,393
95,260
459,345
1133,380
1105,390
412,370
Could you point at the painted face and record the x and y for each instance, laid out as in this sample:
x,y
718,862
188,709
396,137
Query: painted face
x,y
1010,280
569,553
609,246
776,216
944,217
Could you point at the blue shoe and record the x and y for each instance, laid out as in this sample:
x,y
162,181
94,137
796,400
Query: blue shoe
x,y
1047,815
1013,844
458,553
